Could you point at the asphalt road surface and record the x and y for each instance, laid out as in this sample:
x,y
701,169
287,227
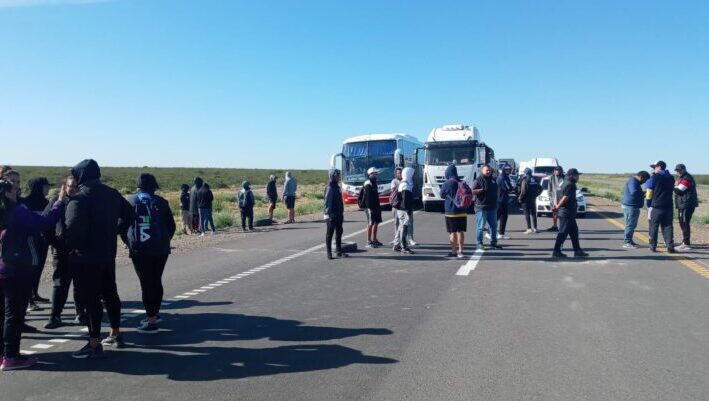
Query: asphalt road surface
x,y
267,317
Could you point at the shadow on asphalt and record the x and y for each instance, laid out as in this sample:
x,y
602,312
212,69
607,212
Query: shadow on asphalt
x,y
176,353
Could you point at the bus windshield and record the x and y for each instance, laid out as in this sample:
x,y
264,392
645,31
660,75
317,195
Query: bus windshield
x,y
445,155
360,156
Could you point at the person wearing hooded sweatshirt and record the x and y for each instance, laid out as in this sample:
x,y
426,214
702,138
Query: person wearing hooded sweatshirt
x,y
148,240
686,201
62,276
373,209
272,195
246,205
456,218
290,187
185,215
504,186
194,210
204,200
406,208
334,214
529,189
19,266
556,181
94,218
36,202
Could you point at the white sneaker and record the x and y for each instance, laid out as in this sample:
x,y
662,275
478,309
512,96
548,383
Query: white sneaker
x,y
529,231
487,235
460,255
201,235
684,247
534,230
413,243
503,236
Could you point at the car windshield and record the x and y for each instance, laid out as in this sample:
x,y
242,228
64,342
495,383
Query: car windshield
x,y
546,170
360,156
445,155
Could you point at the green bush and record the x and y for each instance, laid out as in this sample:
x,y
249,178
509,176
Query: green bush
x,y
701,220
223,219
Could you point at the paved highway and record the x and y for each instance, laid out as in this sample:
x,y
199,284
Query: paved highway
x,y
267,317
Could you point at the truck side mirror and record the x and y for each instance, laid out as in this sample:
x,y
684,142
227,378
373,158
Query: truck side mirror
x,y
333,160
481,155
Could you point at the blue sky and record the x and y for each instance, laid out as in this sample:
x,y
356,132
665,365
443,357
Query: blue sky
x,y
605,86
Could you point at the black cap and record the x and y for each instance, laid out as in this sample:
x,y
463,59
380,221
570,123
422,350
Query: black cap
x,y
660,164
573,171
680,167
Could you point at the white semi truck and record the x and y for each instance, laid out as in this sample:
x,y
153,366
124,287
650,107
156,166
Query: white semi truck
x,y
452,144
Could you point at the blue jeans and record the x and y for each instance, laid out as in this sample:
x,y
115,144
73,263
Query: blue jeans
x,y
489,217
631,222
205,220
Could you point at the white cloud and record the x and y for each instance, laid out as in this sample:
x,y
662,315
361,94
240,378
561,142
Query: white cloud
x,y
29,3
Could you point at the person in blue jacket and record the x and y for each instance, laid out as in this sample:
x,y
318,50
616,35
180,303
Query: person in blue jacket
x,y
19,265
633,199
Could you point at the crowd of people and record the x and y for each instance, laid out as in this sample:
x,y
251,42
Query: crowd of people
x,y
81,224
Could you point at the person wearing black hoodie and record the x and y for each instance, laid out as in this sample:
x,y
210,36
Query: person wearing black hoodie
x,y
36,202
246,205
62,276
204,200
148,240
185,215
94,218
334,214
194,211
405,210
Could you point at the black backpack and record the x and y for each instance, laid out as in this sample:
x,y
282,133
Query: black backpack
x,y
362,198
245,200
146,234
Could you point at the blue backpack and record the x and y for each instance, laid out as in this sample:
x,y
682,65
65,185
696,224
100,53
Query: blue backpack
x,y
145,234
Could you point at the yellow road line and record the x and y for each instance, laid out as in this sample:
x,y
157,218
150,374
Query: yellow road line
x,y
688,262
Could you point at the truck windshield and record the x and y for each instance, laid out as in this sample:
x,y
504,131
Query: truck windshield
x,y
446,155
546,170
360,156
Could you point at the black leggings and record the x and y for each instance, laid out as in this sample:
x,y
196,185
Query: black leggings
x,y
530,212
334,226
96,282
14,297
247,213
62,278
43,251
503,213
149,269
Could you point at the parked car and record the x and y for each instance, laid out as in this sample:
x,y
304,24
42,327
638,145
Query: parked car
x,y
544,203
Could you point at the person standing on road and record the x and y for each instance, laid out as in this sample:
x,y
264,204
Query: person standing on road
x,y
567,207
486,192
372,207
660,189
334,215
290,188
246,206
36,202
94,218
271,195
633,196
194,210
19,265
148,240
405,210
393,195
556,181
456,217
529,189
205,198
63,274
504,187
185,215
686,201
